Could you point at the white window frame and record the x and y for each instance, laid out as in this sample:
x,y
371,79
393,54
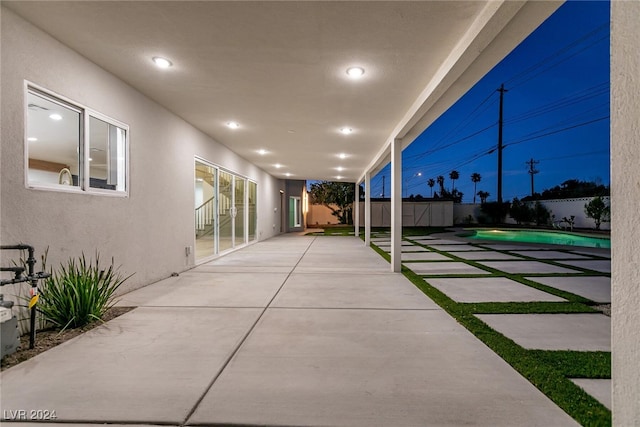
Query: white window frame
x,y
86,113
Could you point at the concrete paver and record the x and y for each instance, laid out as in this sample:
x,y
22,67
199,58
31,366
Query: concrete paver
x,y
507,246
438,267
424,256
144,366
208,290
550,255
524,267
595,288
600,389
370,368
489,289
485,255
603,266
438,241
604,253
578,331
383,291
456,248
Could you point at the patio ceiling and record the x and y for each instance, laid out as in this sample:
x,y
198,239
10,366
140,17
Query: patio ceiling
x,y
279,68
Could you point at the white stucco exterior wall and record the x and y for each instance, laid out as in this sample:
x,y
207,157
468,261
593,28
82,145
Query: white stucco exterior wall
x,y
625,196
148,231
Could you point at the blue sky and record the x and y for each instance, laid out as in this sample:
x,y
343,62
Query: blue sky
x,y
556,111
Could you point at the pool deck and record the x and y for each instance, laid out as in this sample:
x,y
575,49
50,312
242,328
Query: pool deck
x,y
302,330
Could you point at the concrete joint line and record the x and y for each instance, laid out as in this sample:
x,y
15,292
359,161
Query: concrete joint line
x,y
244,338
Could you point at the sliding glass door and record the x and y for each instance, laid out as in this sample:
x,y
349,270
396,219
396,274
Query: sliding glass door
x,y
225,212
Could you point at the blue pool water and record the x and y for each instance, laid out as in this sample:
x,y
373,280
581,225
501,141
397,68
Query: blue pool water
x,y
548,237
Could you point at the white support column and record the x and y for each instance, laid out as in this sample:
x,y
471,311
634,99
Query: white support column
x,y
625,199
396,205
356,210
367,209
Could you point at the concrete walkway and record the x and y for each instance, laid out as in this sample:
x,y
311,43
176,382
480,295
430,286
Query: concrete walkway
x,y
290,331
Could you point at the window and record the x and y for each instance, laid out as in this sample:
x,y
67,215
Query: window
x,y
69,147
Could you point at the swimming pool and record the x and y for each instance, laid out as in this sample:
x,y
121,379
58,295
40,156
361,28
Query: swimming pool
x,y
536,236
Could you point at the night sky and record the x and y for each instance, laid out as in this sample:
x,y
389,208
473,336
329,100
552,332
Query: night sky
x,y
556,111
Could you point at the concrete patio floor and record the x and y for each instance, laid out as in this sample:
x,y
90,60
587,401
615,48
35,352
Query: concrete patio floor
x,y
291,331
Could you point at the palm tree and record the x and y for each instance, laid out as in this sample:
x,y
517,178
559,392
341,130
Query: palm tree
x,y
453,175
475,178
440,181
431,182
483,196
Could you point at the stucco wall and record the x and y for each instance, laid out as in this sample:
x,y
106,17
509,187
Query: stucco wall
x,y
320,215
625,196
414,214
560,208
148,231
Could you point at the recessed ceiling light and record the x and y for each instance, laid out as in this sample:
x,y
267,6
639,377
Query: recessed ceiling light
x,y
355,72
287,174
55,116
342,156
262,152
339,168
277,165
32,139
346,131
338,177
162,62
233,125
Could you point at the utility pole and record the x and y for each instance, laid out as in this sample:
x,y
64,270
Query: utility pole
x,y
532,171
502,90
383,177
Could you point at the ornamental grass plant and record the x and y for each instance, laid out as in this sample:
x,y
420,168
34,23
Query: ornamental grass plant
x,y
80,292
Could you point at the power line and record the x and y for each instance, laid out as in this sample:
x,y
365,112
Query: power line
x,y
557,131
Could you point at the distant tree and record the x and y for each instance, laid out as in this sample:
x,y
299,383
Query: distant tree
x,y
440,181
572,188
475,178
454,195
332,194
541,214
495,211
520,211
453,175
483,196
598,210
431,182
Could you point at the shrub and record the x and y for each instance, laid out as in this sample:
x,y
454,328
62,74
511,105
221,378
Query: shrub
x,y
520,211
80,293
598,210
541,214
495,211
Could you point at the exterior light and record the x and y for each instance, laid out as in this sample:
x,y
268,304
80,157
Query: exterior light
x,y
355,72
233,125
55,116
162,62
346,131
